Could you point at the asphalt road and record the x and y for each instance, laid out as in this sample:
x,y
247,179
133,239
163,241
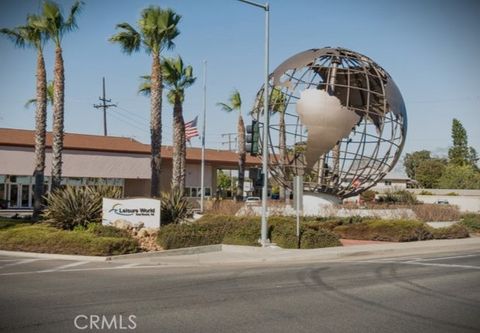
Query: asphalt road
x,y
439,293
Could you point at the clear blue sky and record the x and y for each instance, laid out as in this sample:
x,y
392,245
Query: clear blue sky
x,y
430,47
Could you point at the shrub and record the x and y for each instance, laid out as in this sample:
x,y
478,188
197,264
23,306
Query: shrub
x,y
384,230
176,236
432,212
312,239
223,207
285,235
368,196
398,197
51,240
175,207
243,233
218,229
471,221
101,230
425,192
451,232
452,194
313,234
77,206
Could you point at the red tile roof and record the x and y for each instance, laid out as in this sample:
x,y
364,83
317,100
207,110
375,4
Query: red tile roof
x,y
87,142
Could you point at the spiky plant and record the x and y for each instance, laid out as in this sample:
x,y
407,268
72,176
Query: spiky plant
x,y
175,207
74,206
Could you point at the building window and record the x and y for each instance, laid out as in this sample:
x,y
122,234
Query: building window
x,y
388,183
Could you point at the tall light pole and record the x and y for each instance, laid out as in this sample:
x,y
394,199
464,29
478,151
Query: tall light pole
x,y
266,121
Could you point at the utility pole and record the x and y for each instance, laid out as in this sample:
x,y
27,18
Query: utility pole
x,y
104,106
229,141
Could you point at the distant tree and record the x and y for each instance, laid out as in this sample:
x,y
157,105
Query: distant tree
x,y
33,101
473,158
459,153
460,177
235,103
429,172
413,160
224,182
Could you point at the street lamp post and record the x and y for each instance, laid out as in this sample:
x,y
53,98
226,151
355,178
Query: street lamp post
x,y
266,115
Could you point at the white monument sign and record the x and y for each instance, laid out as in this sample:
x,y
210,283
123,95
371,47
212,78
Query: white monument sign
x,y
132,210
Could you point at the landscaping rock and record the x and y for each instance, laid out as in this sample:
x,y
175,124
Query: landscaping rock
x,y
139,225
122,224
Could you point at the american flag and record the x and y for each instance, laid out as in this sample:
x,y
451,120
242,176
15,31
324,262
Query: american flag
x,y
191,129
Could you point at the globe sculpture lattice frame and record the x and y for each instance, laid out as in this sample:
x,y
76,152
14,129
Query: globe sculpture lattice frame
x,y
336,117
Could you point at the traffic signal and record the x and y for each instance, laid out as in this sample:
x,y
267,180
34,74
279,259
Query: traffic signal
x,y
253,134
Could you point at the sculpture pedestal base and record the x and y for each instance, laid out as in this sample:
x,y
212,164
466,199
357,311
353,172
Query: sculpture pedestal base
x,y
316,204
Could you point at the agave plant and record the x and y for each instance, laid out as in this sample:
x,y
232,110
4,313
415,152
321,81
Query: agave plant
x,y
73,206
175,207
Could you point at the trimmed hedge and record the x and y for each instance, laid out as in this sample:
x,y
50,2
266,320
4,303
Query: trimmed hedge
x,y
385,230
46,239
398,231
471,221
222,229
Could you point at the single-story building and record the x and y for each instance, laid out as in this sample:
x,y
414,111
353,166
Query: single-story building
x,y
97,160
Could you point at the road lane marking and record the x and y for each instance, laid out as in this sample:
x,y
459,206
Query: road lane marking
x,y
59,268
438,265
129,266
455,257
19,262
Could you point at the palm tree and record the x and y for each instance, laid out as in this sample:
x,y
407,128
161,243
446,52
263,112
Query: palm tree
x,y
278,104
49,96
30,35
157,30
55,24
177,77
235,103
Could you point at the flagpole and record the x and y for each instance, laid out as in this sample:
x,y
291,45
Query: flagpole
x,y
202,176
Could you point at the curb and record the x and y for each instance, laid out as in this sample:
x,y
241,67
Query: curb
x,y
169,253
52,256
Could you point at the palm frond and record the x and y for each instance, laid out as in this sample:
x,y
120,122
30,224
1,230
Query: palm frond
x,y
30,102
14,35
129,39
158,28
225,107
71,21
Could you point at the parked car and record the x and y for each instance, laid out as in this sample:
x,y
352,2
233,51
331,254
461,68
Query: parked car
x,y
253,201
442,202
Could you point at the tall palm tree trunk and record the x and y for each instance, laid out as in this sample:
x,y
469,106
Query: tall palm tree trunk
x,y
241,156
58,118
156,124
283,152
40,133
178,174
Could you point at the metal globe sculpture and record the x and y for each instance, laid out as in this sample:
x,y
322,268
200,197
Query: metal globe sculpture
x,y
336,117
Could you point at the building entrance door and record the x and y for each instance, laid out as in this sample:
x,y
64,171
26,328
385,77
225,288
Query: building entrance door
x,y
13,195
